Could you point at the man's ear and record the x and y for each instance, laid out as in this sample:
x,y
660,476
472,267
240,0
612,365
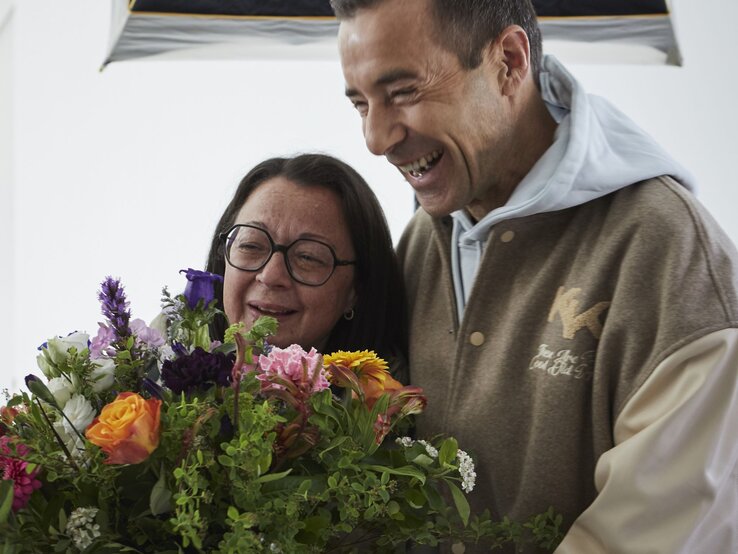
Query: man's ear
x,y
513,50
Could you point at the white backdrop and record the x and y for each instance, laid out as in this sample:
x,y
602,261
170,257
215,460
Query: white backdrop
x,y
124,172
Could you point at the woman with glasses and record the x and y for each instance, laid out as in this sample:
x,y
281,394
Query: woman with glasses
x,y
305,240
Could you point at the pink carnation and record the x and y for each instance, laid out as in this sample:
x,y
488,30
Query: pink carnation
x,y
287,364
14,469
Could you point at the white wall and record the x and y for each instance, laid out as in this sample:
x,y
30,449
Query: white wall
x,y
7,239
125,172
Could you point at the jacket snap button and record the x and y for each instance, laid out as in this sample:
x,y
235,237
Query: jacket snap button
x,y
476,338
507,236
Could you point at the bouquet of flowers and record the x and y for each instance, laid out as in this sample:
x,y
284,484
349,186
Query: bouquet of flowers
x,y
161,440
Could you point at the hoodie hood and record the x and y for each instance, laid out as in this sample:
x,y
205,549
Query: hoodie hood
x,y
596,150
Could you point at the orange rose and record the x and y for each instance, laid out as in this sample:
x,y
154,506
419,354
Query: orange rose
x,y
127,429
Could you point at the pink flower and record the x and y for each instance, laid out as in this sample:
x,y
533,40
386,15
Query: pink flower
x,y
100,345
293,365
146,335
14,469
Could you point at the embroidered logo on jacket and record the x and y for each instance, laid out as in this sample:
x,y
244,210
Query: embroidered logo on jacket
x,y
566,305
563,362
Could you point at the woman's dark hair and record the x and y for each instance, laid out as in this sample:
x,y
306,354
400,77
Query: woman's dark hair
x,y
379,322
466,27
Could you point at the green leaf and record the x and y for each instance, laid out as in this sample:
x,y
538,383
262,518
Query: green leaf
x,y
160,500
232,513
423,460
315,524
226,461
434,498
266,478
406,471
415,498
448,450
263,327
462,504
6,499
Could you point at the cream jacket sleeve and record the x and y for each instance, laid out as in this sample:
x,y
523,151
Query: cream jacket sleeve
x,y
670,483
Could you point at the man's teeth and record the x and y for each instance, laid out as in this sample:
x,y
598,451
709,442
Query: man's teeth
x,y
420,166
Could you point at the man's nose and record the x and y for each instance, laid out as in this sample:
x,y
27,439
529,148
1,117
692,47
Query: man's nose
x,y
382,130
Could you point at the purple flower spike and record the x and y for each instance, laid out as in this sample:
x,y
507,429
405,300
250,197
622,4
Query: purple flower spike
x,y
200,286
115,307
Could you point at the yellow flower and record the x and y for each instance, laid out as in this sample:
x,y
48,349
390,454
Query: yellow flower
x,y
355,360
371,371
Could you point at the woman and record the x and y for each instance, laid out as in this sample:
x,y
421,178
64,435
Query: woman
x,y
305,240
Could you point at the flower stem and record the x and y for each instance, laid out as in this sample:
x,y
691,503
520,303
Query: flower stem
x,y
58,438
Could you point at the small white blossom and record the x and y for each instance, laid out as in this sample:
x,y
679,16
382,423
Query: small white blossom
x,y
407,442
81,527
466,470
429,448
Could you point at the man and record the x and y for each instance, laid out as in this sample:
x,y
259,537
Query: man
x,y
573,309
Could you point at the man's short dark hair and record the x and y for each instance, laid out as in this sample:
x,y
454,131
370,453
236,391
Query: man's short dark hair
x,y
465,27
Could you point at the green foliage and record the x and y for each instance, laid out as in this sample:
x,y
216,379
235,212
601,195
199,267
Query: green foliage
x,y
239,468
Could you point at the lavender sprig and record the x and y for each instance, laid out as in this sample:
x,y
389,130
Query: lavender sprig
x,y
115,307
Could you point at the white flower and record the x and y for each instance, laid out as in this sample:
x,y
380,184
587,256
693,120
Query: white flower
x,y
81,527
45,366
79,414
62,390
407,442
103,376
429,448
466,470
59,346
79,411
166,353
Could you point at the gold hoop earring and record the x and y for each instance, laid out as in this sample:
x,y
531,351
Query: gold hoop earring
x,y
348,316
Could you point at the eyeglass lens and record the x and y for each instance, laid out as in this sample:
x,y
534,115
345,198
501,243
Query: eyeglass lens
x,y
308,261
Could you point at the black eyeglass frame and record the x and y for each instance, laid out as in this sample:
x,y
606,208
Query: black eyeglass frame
x,y
283,248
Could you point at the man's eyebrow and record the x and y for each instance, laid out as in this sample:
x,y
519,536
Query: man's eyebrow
x,y
387,78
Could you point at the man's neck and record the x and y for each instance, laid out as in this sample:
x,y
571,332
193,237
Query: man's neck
x,y
535,131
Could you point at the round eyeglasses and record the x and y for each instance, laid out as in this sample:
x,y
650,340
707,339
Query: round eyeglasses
x,y
309,261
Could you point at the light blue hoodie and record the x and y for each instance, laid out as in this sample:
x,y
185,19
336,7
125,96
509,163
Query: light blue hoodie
x,y
596,150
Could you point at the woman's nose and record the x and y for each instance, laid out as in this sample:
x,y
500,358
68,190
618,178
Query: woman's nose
x,y
274,273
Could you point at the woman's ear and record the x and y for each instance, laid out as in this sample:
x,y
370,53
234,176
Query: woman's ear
x,y
351,301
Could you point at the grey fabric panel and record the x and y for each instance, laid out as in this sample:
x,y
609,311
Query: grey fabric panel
x,y
152,35
138,36
654,31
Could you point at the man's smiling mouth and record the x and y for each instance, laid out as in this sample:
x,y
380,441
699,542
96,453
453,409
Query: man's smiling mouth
x,y
423,164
